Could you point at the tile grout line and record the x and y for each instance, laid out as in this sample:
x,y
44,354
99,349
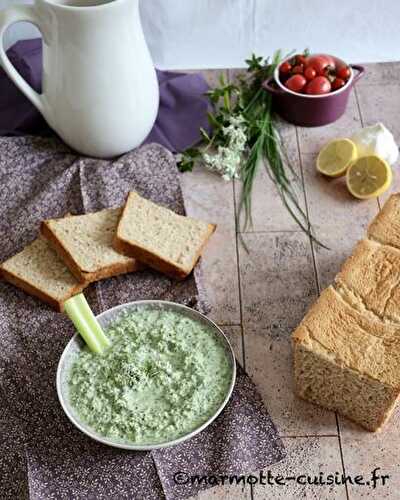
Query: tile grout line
x,y
307,212
268,231
358,107
229,77
317,282
341,452
228,325
239,279
305,436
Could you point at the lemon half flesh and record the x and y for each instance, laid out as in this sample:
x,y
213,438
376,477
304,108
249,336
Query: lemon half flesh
x,y
368,177
335,158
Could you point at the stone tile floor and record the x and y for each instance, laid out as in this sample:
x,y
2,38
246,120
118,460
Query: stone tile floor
x,y
260,297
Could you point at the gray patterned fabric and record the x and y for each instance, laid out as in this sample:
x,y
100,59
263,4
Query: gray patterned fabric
x,y
42,456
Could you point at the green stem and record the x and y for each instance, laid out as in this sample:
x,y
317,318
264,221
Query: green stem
x,y
227,101
85,322
264,143
253,100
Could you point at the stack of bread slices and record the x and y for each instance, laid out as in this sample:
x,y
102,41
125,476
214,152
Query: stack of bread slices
x,y
76,250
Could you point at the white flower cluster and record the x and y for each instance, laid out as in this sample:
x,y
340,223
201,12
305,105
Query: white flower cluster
x,y
226,161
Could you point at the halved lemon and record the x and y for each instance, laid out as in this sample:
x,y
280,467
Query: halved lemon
x,y
335,158
368,177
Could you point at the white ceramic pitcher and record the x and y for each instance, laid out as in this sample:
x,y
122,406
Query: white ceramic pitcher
x,y
100,91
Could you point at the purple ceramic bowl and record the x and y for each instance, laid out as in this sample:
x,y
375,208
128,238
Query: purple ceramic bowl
x,y
311,110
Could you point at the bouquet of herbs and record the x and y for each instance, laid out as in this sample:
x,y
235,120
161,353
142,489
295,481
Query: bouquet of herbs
x,y
245,136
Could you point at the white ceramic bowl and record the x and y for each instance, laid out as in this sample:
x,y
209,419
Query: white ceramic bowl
x,y
310,96
76,344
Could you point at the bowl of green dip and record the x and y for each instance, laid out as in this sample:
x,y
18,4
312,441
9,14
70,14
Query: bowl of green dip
x,y
168,373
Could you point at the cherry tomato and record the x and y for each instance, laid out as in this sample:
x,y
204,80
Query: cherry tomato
x,y
321,63
320,85
338,83
310,73
331,60
343,72
296,83
298,69
285,67
301,59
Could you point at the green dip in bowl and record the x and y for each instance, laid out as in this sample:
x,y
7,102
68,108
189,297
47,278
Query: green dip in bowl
x,y
167,375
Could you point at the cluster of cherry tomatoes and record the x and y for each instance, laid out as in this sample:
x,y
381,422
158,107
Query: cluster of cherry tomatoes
x,y
314,74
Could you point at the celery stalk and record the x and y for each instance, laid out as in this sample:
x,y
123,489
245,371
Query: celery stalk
x,y
79,312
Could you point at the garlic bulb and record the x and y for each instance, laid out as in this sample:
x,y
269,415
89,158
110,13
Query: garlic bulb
x,y
376,140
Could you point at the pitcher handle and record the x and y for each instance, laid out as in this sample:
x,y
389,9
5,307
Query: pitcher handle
x,y
7,18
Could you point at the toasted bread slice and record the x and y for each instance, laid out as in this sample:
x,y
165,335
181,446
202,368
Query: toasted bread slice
x,y
84,243
39,271
157,236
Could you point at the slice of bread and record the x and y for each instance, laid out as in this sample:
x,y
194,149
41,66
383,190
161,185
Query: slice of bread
x,y
39,271
157,236
84,243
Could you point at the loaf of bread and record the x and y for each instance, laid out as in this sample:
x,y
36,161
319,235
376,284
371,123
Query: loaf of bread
x,y
385,228
162,239
347,348
84,243
39,271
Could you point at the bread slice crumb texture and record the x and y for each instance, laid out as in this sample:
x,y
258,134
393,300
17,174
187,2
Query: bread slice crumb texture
x,y
38,266
160,237
88,240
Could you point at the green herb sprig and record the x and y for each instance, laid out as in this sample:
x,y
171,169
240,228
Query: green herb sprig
x,y
246,104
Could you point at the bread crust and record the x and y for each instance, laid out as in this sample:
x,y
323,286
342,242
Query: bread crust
x,y
31,289
385,227
153,260
81,275
149,258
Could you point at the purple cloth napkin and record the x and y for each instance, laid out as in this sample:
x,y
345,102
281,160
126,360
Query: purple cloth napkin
x,y
42,455
183,106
